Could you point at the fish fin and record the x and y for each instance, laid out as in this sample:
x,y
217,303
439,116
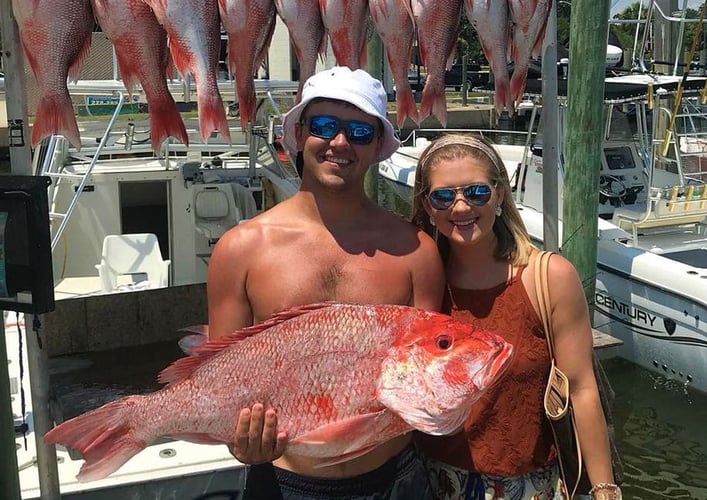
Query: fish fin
x,y
77,63
346,456
518,79
198,438
406,106
433,103
212,117
189,342
183,368
55,115
103,436
165,121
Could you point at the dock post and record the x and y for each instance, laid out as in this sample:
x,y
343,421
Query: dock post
x,y
589,28
9,478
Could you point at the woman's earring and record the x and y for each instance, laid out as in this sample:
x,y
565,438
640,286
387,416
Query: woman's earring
x,y
498,210
432,221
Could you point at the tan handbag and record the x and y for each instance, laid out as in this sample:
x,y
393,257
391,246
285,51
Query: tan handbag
x,y
558,406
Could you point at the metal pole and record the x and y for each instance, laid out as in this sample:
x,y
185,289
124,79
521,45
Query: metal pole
x,y
550,117
21,163
15,92
9,478
37,361
375,62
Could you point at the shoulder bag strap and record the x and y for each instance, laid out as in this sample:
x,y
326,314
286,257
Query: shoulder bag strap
x,y
542,293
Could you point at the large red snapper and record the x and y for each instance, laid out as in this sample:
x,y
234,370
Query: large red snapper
x,y
437,26
56,36
141,49
250,25
304,23
394,23
343,378
194,35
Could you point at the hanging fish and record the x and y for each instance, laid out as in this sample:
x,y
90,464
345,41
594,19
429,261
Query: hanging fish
x,y
437,33
490,20
250,25
194,39
529,18
140,45
304,23
55,36
345,22
394,23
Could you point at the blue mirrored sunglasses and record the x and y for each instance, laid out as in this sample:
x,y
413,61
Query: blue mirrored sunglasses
x,y
477,194
326,127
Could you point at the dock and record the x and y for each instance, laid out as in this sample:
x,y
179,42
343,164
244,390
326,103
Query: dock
x,y
604,340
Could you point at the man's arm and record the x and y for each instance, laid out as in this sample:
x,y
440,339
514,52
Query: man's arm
x,y
256,439
428,278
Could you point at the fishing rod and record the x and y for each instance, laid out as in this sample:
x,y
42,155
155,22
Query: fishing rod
x,y
678,93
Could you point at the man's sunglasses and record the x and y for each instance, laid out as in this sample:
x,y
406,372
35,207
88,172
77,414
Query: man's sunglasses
x,y
326,127
476,194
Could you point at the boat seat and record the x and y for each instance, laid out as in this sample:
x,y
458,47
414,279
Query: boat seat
x,y
668,206
215,210
135,255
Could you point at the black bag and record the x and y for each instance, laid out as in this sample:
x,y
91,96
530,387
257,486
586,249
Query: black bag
x,y
558,406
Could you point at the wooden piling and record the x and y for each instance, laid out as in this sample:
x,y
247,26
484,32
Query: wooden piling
x,y
583,139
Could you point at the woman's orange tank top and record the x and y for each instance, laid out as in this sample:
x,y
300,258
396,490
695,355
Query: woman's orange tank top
x,y
507,433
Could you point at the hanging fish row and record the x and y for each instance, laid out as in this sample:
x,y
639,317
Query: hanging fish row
x,y
148,34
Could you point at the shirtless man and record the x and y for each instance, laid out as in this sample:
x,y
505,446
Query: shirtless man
x,y
327,242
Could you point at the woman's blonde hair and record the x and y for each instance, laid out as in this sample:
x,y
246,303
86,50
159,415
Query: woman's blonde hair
x,y
514,243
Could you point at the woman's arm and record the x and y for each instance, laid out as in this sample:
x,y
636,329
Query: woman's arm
x,y
573,344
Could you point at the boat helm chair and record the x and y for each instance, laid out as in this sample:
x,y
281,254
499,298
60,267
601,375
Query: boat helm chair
x,y
215,210
132,254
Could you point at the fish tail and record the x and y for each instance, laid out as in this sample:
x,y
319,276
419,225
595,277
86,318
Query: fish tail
x,y
433,103
212,116
165,121
55,115
104,437
520,75
406,107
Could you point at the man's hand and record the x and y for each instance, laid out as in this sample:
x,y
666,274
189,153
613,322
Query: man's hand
x,y
256,439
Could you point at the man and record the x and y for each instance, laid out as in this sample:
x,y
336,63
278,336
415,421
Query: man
x,y
328,242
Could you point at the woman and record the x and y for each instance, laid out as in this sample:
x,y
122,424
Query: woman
x,y
463,198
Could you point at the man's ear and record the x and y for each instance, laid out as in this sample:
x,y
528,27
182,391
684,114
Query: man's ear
x,y
299,136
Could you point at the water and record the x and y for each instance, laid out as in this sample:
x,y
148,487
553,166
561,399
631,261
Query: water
x,y
661,427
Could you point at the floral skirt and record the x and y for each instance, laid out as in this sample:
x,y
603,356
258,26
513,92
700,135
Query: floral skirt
x,y
450,483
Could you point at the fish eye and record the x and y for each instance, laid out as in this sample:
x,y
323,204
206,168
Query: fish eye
x,y
444,342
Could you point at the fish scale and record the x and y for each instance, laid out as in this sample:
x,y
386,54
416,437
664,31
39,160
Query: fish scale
x,y
343,379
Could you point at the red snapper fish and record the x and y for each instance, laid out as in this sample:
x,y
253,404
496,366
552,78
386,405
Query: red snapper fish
x,y
529,19
304,23
343,379
490,20
56,36
394,23
437,32
345,22
194,38
140,45
250,25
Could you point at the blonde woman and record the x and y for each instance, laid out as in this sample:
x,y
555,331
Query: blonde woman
x,y
505,449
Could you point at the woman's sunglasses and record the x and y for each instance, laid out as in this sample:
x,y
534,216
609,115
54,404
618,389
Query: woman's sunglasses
x,y
326,127
476,194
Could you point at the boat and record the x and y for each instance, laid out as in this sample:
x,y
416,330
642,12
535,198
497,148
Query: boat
x,y
651,281
132,230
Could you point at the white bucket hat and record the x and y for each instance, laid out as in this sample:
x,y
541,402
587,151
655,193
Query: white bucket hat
x,y
354,87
